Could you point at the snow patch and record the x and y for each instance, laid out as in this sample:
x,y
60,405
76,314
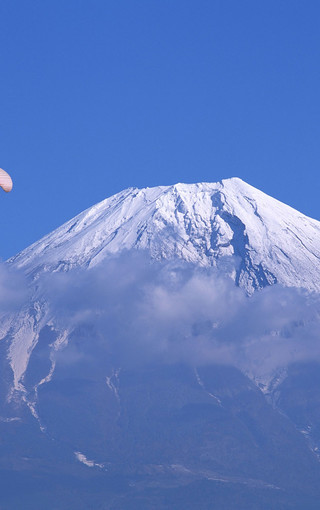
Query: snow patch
x,y
113,385
200,382
90,463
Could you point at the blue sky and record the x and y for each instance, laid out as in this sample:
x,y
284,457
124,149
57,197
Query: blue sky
x,y
99,95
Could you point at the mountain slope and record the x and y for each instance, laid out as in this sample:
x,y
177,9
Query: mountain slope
x,y
252,237
129,386
199,223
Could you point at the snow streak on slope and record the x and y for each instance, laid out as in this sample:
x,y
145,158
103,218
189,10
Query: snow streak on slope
x,y
200,223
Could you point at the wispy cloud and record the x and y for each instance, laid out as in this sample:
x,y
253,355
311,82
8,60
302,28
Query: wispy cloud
x,y
14,289
133,312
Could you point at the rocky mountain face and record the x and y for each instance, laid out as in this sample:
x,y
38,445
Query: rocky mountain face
x,y
110,400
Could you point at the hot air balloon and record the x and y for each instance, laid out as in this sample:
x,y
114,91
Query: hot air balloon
x,y
5,181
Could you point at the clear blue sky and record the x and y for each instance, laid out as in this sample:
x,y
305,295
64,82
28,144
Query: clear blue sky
x,y
100,95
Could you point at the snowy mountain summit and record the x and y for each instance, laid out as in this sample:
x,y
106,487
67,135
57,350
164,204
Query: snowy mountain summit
x,y
200,223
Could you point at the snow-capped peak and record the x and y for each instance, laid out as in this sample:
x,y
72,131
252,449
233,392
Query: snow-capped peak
x,y
199,223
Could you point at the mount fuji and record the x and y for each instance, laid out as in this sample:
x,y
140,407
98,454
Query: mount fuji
x,y
200,223
164,354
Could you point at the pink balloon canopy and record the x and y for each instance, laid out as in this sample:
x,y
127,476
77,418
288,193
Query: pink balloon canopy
x,y
5,181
